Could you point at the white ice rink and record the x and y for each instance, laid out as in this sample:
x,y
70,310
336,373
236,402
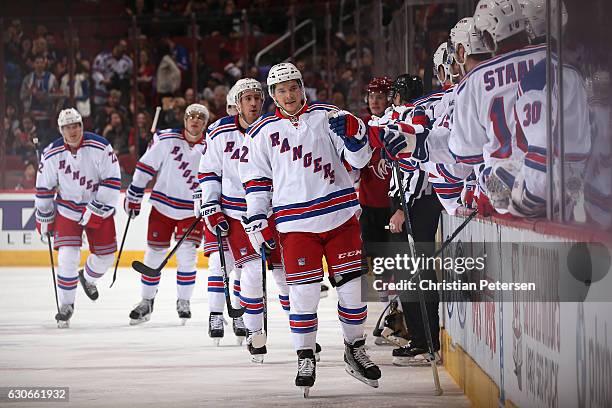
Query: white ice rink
x,y
107,363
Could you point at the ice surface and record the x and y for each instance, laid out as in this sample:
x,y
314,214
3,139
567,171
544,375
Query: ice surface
x,y
107,363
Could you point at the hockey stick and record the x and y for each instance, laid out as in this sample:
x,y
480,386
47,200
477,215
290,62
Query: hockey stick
x,y
53,272
460,228
127,226
423,306
35,141
233,313
260,340
155,272
155,119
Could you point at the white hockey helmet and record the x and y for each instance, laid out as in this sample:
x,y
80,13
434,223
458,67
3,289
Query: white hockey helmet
x,y
500,18
285,71
466,34
440,58
230,105
535,17
246,84
68,117
197,109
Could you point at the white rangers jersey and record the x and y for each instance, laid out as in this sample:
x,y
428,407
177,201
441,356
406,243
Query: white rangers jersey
x,y
174,162
484,126
218,175
303,161
91,174
531,114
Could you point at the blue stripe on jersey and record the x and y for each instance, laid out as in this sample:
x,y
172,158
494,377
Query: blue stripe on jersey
x,y
260,124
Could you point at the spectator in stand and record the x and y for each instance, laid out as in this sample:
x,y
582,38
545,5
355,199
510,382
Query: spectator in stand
x,y
117,134
9,137
11,116
24,145
218,102
38,93
146,73
322,95
115,68
139,105
168,118
140,136
27,57
178,53
338,99
39,46
28,181
190,96
102,117
80,89
168,77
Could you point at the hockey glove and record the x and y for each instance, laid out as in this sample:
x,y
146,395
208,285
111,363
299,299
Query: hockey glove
x,y
94,214
133,198
419,117
259,232
214,218
346,126
396,142
45,223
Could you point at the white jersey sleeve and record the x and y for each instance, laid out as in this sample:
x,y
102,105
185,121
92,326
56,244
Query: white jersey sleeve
x,y
46,183
256,169
210,171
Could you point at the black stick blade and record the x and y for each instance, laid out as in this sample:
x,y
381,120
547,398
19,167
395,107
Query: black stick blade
x,y
234,313
144,269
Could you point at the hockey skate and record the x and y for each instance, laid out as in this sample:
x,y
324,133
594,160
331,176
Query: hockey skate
x,y
358,363
183,310
239,330
215,327
64,315
90,288
413,355
142,312
317,352
307,371
257,353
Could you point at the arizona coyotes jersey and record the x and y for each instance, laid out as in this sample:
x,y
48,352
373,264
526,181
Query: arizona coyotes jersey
x,y
90,174
174,162
484,126
531,114
303,160
218,175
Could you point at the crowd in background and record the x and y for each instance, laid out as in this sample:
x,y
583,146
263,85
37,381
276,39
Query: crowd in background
x,y
38,84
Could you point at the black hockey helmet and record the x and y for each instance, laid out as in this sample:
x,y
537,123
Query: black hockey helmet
x,y
408,86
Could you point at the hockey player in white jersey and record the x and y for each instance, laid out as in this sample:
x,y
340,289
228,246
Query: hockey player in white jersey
x,y
293,166
485,126
223,205
79,175
520,187
173,160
